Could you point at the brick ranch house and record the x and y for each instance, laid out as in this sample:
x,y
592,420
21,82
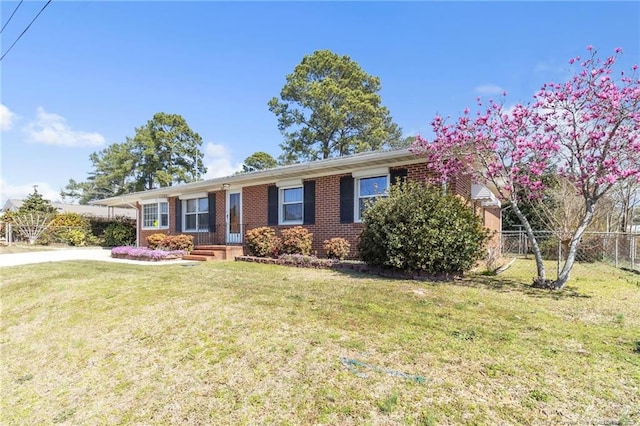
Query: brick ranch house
x,y
324,196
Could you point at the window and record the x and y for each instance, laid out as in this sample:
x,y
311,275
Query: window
x,y
155,215
291,205
367,190
196,214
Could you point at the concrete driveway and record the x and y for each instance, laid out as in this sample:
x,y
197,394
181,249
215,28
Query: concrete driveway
x,y
15,259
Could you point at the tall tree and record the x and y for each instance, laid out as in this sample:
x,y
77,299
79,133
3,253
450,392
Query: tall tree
x,y
168,152
162,152
588,129
258,161
330,107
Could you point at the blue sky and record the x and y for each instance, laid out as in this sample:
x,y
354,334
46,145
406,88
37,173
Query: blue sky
x,y
86,74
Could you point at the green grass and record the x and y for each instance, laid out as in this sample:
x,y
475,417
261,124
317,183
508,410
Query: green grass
x,y
239,343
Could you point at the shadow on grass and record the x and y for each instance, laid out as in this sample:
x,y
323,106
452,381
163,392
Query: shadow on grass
x,y
494,283
503,284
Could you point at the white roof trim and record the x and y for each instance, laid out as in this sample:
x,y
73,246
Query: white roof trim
x,y
289,182
154,201
192,196
378,171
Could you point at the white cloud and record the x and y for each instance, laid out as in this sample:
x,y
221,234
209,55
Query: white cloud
x,y
52,129
217,158
6,118
489,89
20,192
543,67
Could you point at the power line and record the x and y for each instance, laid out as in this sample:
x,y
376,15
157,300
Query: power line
x,y
13,13
25,30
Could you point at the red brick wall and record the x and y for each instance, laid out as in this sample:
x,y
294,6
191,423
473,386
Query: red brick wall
x,y
254,206
491,220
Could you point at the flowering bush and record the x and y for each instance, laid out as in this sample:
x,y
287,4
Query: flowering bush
x,y
144,253
262,242
336,248
296,240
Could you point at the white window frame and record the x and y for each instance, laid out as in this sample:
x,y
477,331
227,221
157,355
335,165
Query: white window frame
x,y
158,205
356,205
197,214
281,204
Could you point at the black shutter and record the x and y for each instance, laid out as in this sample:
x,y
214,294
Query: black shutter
x,y
346,199
178,215
398,175
272,205
309,190
212,212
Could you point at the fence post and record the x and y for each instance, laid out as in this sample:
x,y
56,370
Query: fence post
x,y
632,249
616,251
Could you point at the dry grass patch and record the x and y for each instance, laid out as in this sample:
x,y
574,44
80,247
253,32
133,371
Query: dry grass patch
x,y
239,343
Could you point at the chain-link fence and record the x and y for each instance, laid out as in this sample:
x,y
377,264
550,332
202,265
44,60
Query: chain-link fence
x,y
619,249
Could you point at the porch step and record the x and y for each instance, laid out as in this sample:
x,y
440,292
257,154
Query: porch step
x,y
214,252
207,252
197,257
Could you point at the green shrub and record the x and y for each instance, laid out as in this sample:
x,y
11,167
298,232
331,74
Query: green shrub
x,y
75,237
119,234
177,242
70,220
100,224
70,228
154,240
417,228
336,248
296,240
262,242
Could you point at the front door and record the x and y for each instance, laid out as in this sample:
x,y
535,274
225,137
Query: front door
x,y
234,217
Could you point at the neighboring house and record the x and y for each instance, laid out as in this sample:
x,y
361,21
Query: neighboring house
x,y
88,210
326,197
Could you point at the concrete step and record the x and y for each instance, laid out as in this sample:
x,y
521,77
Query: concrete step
x,y
201,252
198,257
217,251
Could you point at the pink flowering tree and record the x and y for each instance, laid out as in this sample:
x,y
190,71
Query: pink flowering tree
x,y
587,130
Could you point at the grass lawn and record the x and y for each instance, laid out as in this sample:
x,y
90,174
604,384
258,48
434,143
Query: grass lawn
x,y
239,343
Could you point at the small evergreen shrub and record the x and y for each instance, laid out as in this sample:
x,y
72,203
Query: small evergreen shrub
x,y
177,242
119,234
262,242
417,228
296,240
154,240
336,248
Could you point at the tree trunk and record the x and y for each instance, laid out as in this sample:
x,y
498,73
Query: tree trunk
x,y
541,279
563,276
